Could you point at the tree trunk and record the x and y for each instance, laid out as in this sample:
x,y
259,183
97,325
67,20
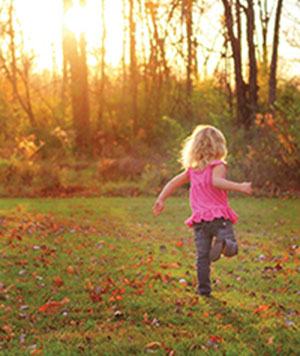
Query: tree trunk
x,y
189,33
253,88
273,69
12,50
242,105
133,68
264,20
76,59
102,79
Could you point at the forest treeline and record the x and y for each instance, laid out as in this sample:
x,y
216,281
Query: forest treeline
x,y
127,123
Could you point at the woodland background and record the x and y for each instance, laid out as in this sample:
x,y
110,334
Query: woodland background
x,y
96,129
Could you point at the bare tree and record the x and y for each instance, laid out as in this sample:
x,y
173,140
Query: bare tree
x,y
247,93
264,17
17,70
243,114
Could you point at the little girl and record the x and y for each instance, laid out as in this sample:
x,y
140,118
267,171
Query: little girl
x,y
203,158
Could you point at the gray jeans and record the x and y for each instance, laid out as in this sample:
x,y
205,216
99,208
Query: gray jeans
x,y
204,233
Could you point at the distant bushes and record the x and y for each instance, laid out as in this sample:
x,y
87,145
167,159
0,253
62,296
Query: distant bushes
x,y
43,160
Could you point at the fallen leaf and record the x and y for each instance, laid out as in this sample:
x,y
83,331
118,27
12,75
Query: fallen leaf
x,y
261,308
71,270
57,281
96,297
228,326
52,307
179,244
271,340
174,265
153,345
6,328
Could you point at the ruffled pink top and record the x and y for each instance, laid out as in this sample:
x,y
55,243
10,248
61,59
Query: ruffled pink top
x,y
207,202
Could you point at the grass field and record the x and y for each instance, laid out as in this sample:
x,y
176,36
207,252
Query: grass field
x,y
105,277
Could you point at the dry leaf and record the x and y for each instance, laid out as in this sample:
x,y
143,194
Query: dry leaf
x,y
153,345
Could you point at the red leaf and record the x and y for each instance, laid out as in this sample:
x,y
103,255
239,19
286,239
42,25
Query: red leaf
x,y
95,297
57,281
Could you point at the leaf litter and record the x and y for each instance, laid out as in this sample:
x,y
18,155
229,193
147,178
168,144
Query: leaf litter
x,y
98,284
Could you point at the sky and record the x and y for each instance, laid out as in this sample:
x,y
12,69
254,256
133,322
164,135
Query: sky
x,y
41,23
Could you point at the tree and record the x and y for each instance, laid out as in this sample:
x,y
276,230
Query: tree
x,y
253,88
156,72
187,13
74,52
102,79
243,112
247,93
264,17
273,67
17,70
133,67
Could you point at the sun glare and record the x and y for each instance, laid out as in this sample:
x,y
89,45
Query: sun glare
x,y
76,19
42,22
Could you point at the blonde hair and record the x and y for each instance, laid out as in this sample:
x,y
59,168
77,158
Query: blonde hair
x,y
205,145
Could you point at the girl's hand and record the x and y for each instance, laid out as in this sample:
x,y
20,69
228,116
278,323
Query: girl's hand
x,y
158,207
246,187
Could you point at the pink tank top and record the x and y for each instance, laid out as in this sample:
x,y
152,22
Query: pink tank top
x,y
207,202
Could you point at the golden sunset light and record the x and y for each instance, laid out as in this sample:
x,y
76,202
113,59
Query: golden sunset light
x,y
42,21
149,177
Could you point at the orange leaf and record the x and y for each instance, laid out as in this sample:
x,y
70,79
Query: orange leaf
x,y
153,345
228,326
179,244
261,308
71,269
52,307
6,328
174,265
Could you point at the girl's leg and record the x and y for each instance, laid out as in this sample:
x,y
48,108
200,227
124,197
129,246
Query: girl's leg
x,y
231,246
225,239
203,245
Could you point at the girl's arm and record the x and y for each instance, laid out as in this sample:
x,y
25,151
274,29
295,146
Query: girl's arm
x,y
220,182
168,190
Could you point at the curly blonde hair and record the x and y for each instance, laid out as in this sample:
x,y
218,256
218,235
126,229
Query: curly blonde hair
x,y
205,145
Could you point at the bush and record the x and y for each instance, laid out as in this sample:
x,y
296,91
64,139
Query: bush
x,y
20,176
128,167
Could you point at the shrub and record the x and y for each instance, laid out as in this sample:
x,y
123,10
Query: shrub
x,y
120,168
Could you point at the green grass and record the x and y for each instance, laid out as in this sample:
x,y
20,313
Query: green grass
x,y
121,270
